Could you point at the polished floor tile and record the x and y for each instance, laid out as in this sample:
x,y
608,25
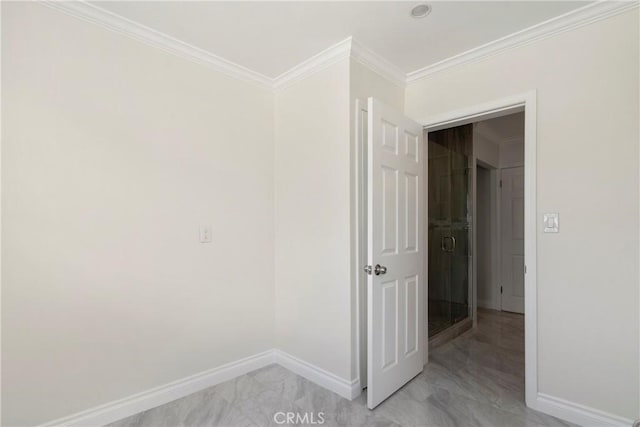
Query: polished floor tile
x,y
477,379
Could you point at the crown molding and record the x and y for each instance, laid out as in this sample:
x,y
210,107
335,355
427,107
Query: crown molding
x,y
96,15
377,63
347,48
320,61
576,18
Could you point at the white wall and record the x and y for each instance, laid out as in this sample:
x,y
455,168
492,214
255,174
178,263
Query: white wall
x,y
512,153
486,150
113,154
486,245
485,250
312,220
495,152
365,83
316,194
587,162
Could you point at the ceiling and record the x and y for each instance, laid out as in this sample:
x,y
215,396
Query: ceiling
x,y
502,129
272,37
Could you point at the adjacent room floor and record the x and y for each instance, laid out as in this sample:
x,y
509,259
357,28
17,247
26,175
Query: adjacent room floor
x,y
475,380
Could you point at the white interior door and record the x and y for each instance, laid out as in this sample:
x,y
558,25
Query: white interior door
x,y
512,231
395,302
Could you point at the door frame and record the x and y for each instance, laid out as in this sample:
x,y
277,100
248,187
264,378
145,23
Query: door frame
x,y
501,107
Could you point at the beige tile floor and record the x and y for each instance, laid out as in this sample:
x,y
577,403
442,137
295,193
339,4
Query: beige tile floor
x,y
475,380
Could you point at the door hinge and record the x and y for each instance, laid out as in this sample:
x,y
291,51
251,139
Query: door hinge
x,y
500,183
500,289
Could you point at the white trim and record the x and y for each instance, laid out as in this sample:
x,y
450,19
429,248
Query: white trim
x,y
578,414
1,219
425,244
360,212
576,18
132,405
488,110
139,402
347,48
91,13
332,382
530,247
494,109
377,63
318,62
96,15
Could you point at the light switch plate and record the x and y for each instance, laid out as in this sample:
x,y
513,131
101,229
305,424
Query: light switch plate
x,y
205,233
551,222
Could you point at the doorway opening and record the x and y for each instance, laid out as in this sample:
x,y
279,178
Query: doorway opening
x,y
378,134
476,243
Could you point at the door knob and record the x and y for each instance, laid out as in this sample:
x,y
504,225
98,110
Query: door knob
x,y
379,269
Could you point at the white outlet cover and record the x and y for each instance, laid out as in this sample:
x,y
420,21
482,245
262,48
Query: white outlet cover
x,y
551,222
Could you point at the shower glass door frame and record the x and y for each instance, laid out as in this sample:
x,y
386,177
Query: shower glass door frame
x,y
450,219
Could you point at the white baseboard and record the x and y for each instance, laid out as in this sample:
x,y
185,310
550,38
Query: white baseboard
x,y
345,388
128,406
576,413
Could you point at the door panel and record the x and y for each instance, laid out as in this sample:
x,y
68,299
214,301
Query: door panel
x,y
411,319
512,218
389,324
395,232
412,212
389,210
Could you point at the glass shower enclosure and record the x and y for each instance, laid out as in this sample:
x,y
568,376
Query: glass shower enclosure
x,y
450,219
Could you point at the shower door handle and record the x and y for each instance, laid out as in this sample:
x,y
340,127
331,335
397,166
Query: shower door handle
x,y
444,247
